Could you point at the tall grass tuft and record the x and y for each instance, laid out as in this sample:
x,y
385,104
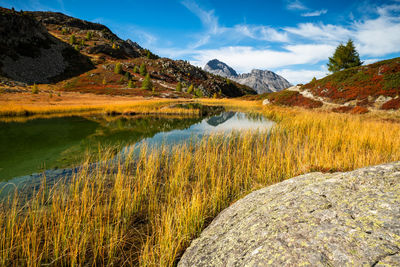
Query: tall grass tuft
x,y
144,210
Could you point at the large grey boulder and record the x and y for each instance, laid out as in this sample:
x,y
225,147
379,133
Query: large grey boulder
x,y
339,219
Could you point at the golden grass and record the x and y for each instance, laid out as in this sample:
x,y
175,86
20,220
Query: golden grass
x,y
153,106
146,210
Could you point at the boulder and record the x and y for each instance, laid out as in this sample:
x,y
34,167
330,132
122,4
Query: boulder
x,y
339,219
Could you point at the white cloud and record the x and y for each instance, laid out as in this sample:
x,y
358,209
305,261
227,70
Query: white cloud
x,y
260,33
370,61
296,5
315,13
302,76
320,32
379,36
373,37
243,59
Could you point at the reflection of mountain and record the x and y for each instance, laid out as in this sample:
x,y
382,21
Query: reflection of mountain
x,y
217,120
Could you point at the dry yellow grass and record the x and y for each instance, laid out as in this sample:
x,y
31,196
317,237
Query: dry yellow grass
x,y
145,211
154,106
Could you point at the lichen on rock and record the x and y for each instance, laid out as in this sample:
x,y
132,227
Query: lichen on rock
x,y
339,219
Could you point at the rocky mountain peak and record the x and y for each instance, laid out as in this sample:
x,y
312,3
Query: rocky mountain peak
x,y
263,81
220,68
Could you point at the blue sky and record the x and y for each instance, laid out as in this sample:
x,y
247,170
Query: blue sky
x,y
291,37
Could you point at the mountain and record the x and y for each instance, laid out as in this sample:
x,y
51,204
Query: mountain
x,y
219,68
81,56
263,81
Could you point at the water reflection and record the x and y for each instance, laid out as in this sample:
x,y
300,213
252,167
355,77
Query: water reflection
x,y
225,122
44,144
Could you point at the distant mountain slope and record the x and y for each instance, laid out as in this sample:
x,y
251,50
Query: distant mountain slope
x,y
263,81
48,47
375,85
219,68
28,53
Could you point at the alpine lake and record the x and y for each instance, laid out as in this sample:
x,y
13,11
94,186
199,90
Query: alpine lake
x,y
38,144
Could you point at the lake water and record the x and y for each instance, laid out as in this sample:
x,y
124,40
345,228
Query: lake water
x,y
40,144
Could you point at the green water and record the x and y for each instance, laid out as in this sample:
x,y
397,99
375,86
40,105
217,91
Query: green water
x,y
40,144
43,144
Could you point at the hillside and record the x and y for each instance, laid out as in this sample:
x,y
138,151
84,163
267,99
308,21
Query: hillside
x,y
28,53
376,85
80,56
262,81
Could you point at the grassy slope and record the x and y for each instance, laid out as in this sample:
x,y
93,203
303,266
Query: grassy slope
x,y
148,211
363,83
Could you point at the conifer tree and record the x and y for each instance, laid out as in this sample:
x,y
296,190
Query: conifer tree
x,y
345,56
179,87
147,84
72,39
190,89
143,70
118,68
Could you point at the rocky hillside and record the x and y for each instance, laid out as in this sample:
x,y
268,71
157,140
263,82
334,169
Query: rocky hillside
x,y
263,81
315,219
86,57
29,54
375,85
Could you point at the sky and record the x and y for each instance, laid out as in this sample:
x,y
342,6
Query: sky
x,y
293,38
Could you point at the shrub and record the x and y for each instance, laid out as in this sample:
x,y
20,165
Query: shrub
x,y
35,89
314,79
190,89
392,104
136,69
76,47
118,68
147,84
130,84
127,75
114,46
179,87
143,70
198,93
359,110
89,35
72,39
104,82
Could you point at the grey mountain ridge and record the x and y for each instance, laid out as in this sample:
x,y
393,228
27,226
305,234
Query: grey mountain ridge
x,y
263,81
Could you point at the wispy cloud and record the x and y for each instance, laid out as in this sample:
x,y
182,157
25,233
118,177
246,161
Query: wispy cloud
x,y
296,76
315,13
214,32
296,5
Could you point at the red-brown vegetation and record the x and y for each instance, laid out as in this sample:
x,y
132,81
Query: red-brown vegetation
x,y
392,104
293,98
381,78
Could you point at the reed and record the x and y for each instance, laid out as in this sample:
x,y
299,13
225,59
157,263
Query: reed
x,y
144,210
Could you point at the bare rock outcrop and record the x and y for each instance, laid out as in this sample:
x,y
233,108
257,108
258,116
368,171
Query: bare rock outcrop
x,y
339,219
